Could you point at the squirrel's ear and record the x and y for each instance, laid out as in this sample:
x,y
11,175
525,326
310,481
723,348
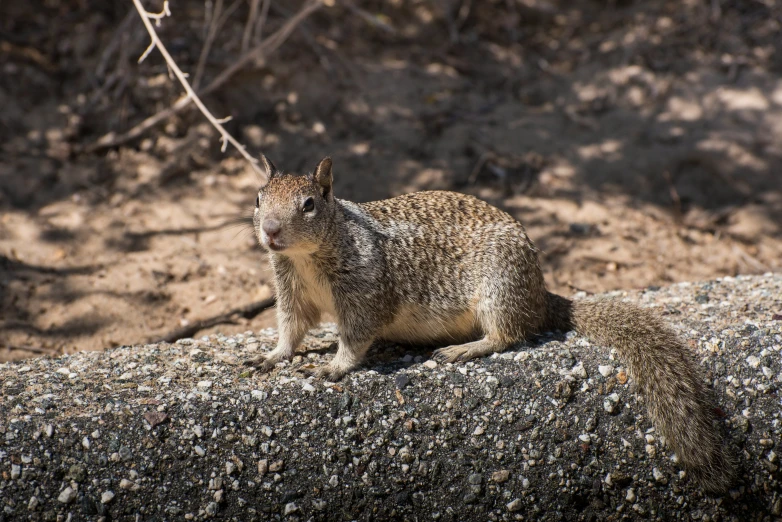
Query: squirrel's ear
x,y
271,170
322,175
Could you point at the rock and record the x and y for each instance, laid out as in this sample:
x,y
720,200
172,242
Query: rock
x,y
500,476
401,381
199,451
431,364
33,504
605,370
204,385
276,466
630,496
753,361
263,467
290,508
106,497
514,505
155,418
16,471
67,495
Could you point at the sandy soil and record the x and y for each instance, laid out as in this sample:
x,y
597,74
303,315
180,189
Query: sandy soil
x,y
640,143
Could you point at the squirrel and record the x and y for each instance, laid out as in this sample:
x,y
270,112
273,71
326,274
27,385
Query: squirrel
x,y
443,268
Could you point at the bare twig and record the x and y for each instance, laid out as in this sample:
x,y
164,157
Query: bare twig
x,y
368,18
225,137
210,37
258,30
266,47
248,26
246,311
218,20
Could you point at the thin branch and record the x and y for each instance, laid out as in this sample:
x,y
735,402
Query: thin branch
x,y
210,38
248,26
258,30
246,311
266,47
225,137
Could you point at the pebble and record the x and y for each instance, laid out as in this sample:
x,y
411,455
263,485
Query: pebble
x,y
290,508
605,370
67,495
753,361
230,468
204,385
630,496
127,484
106,497
16,471
430,364
199,451
401,381
514,505
211,509
263,467
33,504
658,476
579,371
500,476
307,387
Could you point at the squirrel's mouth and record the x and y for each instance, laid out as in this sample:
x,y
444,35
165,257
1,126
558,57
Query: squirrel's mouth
x,y
276,247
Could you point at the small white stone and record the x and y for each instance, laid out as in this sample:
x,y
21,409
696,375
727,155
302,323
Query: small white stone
x,y
85,442
67,495
198,430
753,361
106,497
579,371
290,508
16,471
630,497
33,504
204,385
230,467
514,505
585,438
479,430
605,370
658,476
430,364
651,450
200,451
308,387
126,484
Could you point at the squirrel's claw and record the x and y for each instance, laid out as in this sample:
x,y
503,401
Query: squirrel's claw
x,y
326,372
260,363
449,354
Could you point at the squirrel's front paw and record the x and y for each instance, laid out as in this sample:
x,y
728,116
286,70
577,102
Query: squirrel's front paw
x,y
327,372
260,363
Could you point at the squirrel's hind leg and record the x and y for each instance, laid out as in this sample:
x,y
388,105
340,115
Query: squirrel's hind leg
x,y
467,351
349,356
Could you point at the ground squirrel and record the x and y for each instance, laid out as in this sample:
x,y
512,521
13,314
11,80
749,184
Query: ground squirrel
x,y
446,268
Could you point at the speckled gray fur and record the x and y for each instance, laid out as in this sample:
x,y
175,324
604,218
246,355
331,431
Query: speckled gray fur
x,y
441,268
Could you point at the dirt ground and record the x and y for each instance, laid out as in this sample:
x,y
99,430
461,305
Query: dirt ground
x,y
639,142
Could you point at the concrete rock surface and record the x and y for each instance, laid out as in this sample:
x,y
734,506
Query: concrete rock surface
x,y
545,431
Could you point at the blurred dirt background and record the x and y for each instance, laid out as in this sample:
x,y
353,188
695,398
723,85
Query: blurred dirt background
x,y
639,141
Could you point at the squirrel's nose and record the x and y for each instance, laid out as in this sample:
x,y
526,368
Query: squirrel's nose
x,y
272,227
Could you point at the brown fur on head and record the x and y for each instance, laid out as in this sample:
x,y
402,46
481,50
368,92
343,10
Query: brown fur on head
x,y
293,213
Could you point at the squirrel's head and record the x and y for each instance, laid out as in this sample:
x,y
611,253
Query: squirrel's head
x,y
293,213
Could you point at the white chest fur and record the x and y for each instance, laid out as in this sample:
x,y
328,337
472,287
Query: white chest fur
x,y
313,285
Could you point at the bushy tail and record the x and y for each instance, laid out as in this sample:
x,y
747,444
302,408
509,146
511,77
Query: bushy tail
x,y
666,374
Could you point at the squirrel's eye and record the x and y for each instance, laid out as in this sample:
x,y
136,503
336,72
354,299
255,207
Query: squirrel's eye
x,y
309,205
257,201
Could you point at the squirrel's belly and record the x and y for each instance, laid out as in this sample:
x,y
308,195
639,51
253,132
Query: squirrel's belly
x,y
418,325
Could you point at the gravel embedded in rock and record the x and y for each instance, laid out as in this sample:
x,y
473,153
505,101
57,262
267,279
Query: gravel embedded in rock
x,y
67,495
